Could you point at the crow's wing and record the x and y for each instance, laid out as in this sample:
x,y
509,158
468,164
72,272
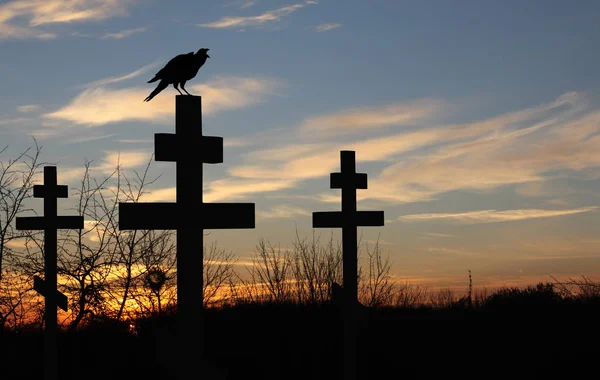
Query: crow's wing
x,y
173,67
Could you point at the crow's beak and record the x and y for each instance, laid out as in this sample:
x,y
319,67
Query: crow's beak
x,y
208,56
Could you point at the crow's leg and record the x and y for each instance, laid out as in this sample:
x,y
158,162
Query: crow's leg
x,y
182,84
175,85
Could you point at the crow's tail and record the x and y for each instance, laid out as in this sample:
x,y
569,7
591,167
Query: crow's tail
x,y
161,86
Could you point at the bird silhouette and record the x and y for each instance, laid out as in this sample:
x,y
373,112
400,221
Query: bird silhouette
x,y
179,70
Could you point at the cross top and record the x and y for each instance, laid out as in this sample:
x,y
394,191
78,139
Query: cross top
x,y
50,189
348,179
50,192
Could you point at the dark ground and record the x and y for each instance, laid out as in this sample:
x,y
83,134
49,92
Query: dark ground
x,y
512,336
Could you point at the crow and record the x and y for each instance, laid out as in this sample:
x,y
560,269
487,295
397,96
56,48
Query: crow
x,y
179,70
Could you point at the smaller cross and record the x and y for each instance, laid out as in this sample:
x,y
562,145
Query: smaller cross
x,y
348,219
50,223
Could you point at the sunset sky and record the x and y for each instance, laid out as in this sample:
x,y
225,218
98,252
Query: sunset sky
x,y
477,122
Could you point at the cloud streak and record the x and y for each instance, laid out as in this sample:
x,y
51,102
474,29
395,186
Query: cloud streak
x,y
275,15
22,18
365,119
28,108
117,79
281,212
493,216
123,33
326,27
226,189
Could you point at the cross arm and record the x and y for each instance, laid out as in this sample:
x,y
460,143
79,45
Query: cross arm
x,y
327,219
341,180
336,219
148,216
39,285
170,148
42,222
228,215
369,218
58,191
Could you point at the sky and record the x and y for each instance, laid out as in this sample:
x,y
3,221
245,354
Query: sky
x,y
477,122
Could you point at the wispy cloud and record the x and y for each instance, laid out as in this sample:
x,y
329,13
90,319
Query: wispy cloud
x,y
225,190
425,159
326,27
238,189
17,120
79,34
123,33
168,194
451,251
281,212
103,105
492,216
128,159
247,4
242,4
438,235
236,143
363,119
515,148
28,108
251,21
23,18
117,79
82,139
136,141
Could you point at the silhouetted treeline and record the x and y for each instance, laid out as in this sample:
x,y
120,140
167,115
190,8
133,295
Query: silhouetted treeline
x,y
532,332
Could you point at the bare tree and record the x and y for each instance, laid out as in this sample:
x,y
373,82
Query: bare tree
x,y
218,272
17,177
271,270
407,295
16,180
154,289
18,302
377,288
315,268
128,249
86,256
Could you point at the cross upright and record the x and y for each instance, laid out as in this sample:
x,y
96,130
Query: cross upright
x,y
189,215
50,223
348,219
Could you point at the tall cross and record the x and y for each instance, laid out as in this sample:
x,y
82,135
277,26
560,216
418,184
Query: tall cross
x,y
189,215
348,219
50,223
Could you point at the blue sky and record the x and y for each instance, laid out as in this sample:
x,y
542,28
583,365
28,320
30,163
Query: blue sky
x,y
476,121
